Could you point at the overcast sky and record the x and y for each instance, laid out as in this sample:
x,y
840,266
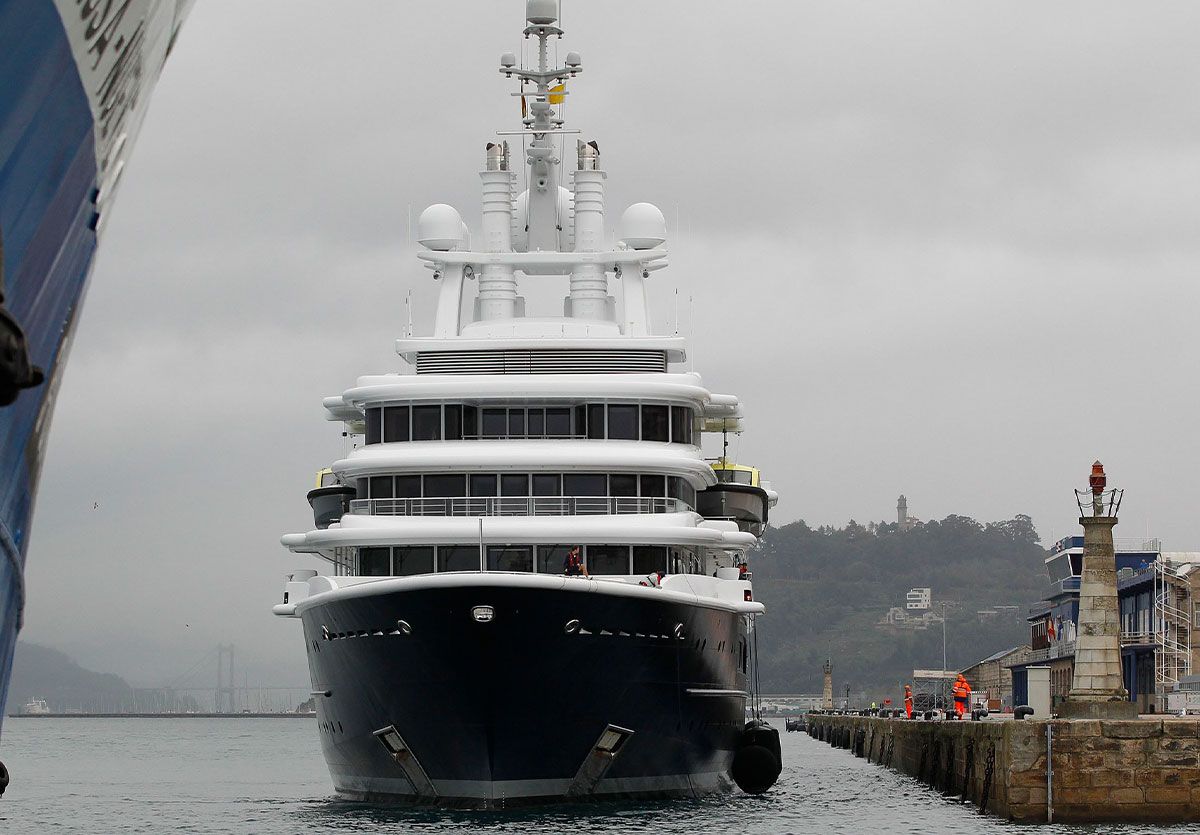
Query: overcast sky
x,y
941,248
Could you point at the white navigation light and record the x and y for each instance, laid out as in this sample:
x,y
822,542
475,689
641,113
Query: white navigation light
x,y
440,228
643,226
541,12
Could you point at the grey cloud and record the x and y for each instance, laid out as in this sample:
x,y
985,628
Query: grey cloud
x,y
942,249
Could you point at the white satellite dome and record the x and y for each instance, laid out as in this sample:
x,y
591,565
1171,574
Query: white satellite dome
x,y
643,226
440,228
541,12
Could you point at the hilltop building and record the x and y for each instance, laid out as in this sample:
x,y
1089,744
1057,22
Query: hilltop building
x,y
1159,637
903,520
919,598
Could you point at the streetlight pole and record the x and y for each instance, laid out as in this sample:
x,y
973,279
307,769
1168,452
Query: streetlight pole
x,y
943,636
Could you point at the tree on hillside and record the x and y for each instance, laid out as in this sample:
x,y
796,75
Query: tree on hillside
x,y
826,590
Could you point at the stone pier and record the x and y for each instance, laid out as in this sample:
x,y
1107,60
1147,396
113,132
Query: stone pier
x,y
1143,770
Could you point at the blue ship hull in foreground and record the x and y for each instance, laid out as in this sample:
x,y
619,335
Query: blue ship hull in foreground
x,y
75,80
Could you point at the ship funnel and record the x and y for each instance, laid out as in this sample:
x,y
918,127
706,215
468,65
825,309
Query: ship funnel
x,y
497,156
541,12
497,282
589,156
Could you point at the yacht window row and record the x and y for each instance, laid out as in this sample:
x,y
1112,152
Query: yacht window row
x,y
522,485
457,421
599,560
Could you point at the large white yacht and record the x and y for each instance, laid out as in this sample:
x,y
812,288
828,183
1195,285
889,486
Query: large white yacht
x,y
521,601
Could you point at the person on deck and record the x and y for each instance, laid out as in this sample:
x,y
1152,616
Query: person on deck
x,y
962,696
573,566
908,701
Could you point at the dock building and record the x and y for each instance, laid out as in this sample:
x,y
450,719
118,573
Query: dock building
x,y
1155,591
992,677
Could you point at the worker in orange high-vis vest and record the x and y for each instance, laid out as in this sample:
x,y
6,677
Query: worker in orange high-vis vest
x,y
962,695
908,701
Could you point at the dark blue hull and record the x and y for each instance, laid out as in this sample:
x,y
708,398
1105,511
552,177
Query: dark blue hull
x,y
47,236
509,711
59,165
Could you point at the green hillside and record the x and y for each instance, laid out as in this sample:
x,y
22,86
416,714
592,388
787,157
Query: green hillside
x,y
826,589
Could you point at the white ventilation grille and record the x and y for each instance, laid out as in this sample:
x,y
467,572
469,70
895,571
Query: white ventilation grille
x,y
577,361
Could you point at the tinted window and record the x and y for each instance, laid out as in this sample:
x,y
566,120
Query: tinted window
x,y
681,424
495,423
675,487
607,559
510,558
373,426
426,423
649,558
395,423
537,423
470,421
623,423
363,488
483,485
655,423
458,557
407,561
454,423
581,421
558,423
622,485
585,484
374,562
552,559
408,487
381,487
595,420
514,485
654,485
516,423
438,486
547,484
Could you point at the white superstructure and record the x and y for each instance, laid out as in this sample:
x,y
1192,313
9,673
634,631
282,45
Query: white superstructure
x,y
519,431
526,532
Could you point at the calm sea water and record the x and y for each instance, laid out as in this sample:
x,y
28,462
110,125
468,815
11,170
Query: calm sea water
x,y
267,776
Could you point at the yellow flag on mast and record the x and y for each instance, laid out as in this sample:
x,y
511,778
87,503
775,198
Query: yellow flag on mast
x,y
560,89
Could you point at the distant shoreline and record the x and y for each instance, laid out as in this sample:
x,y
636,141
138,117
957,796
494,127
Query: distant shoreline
x,y
161,715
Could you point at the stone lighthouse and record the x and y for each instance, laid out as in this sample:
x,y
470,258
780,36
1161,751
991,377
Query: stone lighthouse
x,y
1097,688
827,695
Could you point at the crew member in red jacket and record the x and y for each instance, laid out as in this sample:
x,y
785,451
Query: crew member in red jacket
x,y
962,695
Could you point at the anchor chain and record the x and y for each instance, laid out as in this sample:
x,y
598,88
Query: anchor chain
x,y
948,782
969,769
988,773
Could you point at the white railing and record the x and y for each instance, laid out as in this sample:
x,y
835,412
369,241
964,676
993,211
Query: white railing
x,y
519,506
1058,649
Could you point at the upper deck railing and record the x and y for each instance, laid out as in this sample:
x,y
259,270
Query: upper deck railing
x,y
519,506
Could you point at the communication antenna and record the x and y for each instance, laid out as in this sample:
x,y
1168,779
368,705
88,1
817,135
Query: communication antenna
x,y
691,332
408,308
677,311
